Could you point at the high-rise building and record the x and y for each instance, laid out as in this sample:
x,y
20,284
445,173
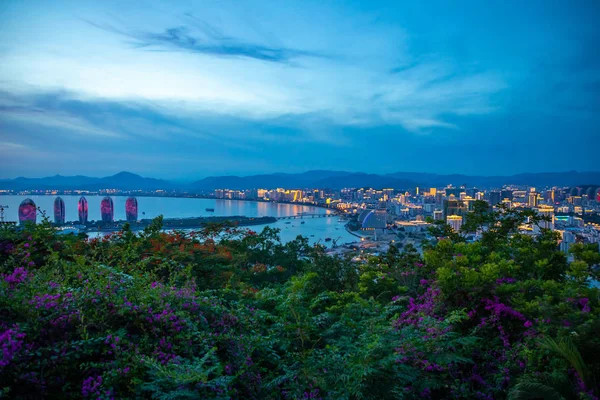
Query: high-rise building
x,y
532,199
495,198
506,194
438,215
27,211
59,211
549,196
454,191
107,209
82,210
455,222
545,211
439,197
131,209
453,206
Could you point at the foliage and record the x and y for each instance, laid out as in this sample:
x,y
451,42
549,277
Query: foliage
x,y
234,314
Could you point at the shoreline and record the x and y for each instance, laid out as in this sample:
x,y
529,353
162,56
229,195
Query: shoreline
x,y
177,197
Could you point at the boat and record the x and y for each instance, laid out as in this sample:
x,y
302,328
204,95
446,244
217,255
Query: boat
x,y
302,222
210,209
287,222
328,239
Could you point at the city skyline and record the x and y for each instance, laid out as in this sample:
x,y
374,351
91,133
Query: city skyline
x,y
188,90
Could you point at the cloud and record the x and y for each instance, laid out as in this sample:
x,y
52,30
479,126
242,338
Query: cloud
x,y
203,38
10,147
53,119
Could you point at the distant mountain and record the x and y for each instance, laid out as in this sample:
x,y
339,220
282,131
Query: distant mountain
x,y
569,178
310,179
121,181
286,181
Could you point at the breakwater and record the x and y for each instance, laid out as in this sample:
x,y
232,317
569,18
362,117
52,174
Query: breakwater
x,y
176,223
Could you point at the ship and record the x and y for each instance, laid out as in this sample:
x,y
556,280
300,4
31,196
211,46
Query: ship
x,y
328,239
302,222
210,209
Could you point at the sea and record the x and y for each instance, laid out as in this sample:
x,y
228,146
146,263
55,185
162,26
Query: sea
x,y
315,229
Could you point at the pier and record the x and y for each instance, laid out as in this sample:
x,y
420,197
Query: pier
x,y
302,215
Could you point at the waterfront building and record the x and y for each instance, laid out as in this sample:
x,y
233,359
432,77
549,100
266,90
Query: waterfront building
x,y
107,209
82,210
59,211
131,209
27,211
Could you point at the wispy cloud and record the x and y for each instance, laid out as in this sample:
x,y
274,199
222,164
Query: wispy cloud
x,y
54,119
202,38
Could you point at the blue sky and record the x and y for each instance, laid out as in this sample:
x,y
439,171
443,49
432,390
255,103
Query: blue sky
x,y
191,89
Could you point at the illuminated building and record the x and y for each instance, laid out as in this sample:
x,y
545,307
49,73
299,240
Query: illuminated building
x,y
452,206
545,211
131,209
27,211
375,220
438,215
454,191
59,211
455,222
82,210
107,209
532,199
433,191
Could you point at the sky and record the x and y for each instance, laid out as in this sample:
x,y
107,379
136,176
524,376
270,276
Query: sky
x,y
189,89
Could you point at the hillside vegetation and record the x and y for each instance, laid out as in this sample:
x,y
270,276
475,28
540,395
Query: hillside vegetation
x,y
233,314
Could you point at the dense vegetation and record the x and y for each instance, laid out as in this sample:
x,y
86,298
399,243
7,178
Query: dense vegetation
x,y
222,313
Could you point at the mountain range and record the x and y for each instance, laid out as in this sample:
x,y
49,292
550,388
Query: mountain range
x,y
310,179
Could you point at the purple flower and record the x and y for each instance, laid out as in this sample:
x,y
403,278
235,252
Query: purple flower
x,y
91,386
11,341
527,324
19,275
585,304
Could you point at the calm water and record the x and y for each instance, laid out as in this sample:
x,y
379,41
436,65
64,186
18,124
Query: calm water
x,y
170,207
